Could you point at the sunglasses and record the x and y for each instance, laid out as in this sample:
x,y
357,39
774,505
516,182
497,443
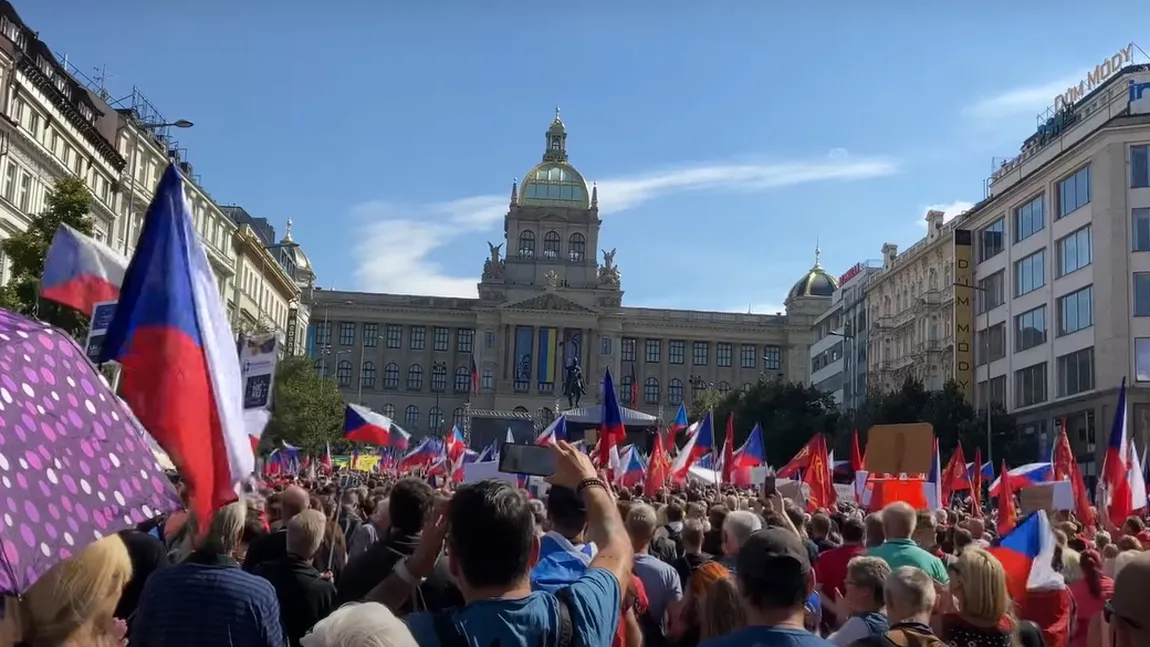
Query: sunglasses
x,y
1108,614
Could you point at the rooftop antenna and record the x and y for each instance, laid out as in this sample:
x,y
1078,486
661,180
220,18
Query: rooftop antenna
x,y
101,76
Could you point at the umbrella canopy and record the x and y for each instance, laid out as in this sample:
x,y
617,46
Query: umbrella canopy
x,y
594,416
73,467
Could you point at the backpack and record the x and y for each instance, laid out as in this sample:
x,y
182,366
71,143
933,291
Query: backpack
x,y
909,634
676,537
450,634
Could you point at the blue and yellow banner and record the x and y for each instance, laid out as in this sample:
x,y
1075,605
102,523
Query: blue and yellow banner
x,y
548,354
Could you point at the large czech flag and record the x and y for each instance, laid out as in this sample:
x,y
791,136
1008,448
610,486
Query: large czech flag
x,y
363,425
180,371
80,271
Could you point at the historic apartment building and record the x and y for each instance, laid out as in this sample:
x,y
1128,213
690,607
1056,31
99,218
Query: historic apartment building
x,y
545,300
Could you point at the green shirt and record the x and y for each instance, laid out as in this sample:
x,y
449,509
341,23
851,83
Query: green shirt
x,y
904,552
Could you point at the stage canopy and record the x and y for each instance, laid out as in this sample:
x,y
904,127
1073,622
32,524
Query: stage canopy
x,y
592,415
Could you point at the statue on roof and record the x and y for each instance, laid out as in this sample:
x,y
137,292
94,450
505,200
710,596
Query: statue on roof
x,y
609,274
493,267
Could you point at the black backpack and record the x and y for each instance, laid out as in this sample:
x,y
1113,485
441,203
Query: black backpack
x,y
450,634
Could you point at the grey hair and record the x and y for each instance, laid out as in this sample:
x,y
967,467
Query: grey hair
x,y
869,572
305,533
899,520
369,624
226,528
740,524
910,588
641,520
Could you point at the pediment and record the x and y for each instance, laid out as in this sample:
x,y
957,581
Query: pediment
x,y
548,301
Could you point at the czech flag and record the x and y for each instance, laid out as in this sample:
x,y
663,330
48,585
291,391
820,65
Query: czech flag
x,y
474,377
698,444
752,453
1117,495
1027,556
363,425
1024,476
180,370
554,432
680,421
428,451
80,271
611,429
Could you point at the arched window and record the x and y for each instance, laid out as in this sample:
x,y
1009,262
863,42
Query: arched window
x,y
675,392
520,410
527,244
438,378
411,417
320,367
367,377
343,373
462,379
547,415
435,419
389,411
724,387
458,417
391,376
576,247
551,242
651,391
747,386
414,377
625,390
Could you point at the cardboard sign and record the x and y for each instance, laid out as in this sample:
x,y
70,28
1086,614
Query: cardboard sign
x,y
1036,497
900,449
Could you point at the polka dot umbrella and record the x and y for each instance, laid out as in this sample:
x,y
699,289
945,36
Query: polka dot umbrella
x,y
73,467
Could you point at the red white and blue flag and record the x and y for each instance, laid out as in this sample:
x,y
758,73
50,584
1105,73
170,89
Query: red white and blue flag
x,y
80,271
1117,494
554,432
180,371
362,425
611,430
752,453
698,444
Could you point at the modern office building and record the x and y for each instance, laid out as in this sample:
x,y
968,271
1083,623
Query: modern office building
x,y
839,351
544,305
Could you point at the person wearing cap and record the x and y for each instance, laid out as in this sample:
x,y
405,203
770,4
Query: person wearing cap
x,y
1125,618
775,579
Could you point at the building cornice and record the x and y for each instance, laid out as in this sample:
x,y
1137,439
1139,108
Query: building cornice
x,y
248,244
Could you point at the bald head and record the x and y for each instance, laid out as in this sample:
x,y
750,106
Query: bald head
x,y
293,501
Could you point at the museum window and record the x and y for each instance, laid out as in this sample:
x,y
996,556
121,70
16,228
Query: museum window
x,y
724,387
391,376
438,378
627,350
772,358
464,340
414,377
676,351
605,346
462,379
458,417
625,390
576,248
418,337
723,354
367,375
675,392
346,333
651,391
435,419
747,386
747,357
527,245
551,242
389,410
323,333
370,335
394,336
489,338
700,352
411,417
320,367
487,381
441,339
343,373
652,351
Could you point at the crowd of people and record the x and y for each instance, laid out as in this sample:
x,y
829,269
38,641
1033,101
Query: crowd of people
x,y
399,563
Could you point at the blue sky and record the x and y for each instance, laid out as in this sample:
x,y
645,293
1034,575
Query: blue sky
x,y
725,141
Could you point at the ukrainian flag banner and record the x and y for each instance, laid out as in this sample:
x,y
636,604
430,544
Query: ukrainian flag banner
x,y
548,354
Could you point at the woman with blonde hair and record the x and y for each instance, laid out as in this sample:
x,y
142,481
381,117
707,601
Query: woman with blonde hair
x,y
71,605
981,615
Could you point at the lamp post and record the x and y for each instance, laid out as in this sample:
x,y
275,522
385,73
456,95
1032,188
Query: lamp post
x,y
986,355
179,123
437,423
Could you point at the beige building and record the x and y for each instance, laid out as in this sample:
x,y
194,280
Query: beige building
x,y
1059,257
543,305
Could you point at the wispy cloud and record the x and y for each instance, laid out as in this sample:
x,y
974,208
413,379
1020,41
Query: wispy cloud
x,y
395,245
949,210
1023,101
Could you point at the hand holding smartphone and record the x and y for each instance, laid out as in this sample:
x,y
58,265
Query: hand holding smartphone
x,y
532,460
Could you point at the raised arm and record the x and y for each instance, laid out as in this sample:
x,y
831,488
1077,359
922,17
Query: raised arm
x,y
604,525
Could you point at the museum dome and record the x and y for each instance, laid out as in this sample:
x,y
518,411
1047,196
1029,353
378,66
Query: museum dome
x,y
815,283
554,182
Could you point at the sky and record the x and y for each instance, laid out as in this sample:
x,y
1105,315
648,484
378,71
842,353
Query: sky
x,y
728,139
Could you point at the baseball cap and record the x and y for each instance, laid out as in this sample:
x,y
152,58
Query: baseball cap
x,y
773,567
1130,599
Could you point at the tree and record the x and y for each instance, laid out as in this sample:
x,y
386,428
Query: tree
x,y
789,413
307,410
68,202
954,420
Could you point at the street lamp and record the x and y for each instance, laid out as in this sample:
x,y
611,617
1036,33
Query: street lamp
x,y
986,356
133,167
437,424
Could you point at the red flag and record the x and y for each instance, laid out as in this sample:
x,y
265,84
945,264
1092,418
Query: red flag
x,y
657,467
976,485
856,455
818,476
1007,513
729,449
800,460
1066,469
954,477
634,387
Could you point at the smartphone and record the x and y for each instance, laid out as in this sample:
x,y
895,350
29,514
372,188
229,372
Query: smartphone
x,y
769,485
534,460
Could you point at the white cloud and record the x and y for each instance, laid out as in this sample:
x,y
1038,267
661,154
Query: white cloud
x,y
1024,101
949,210
396,241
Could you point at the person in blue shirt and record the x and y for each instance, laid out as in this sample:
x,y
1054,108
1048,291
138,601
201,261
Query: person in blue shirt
x,y
491,546
775,580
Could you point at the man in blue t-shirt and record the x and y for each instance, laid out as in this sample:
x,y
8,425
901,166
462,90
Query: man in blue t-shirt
x,y
775,579
491,547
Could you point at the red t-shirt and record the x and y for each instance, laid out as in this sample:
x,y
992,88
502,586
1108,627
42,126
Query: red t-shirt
x,y
641,603
831,567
